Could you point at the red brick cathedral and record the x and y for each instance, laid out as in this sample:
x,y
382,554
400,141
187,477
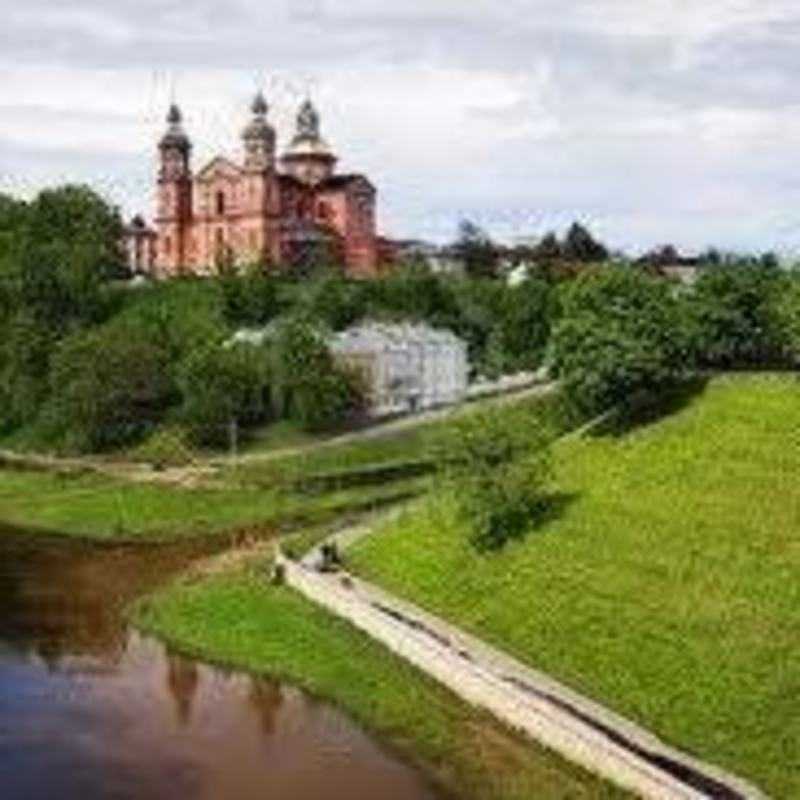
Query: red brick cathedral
x,y
257,210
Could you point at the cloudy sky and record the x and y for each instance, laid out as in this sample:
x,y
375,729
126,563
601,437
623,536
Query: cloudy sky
x,y
649,120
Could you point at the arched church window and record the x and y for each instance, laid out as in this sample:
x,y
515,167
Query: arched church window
x,y
220,203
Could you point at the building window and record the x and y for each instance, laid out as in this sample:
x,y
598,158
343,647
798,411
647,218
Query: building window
x,y
220,239
220,203
167,246
253,240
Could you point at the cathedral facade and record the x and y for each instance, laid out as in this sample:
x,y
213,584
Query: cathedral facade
x,y
264,209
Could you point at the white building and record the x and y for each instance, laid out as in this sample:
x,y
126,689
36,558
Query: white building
x,y
407,367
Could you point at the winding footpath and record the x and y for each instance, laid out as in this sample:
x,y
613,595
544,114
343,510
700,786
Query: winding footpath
x,y
563,720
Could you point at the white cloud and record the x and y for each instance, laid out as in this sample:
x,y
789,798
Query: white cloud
x,y
654,120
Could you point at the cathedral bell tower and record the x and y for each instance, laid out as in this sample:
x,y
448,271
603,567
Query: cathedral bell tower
x,y
259,138
174,196
261,205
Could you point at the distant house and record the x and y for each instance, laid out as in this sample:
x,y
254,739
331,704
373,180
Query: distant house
x,y
407,367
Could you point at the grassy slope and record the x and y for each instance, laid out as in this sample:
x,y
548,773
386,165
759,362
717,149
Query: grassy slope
x,y
669,587
239,620
102,508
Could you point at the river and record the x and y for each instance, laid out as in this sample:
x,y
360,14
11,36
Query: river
x,y
90,709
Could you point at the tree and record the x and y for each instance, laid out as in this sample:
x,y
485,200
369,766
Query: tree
x,y
497,466
221,385
786,310
109,387
306,385
476,251
579,245
522,327
548,249
619,336
731,316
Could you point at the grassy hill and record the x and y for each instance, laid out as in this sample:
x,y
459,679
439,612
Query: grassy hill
x,y
668,586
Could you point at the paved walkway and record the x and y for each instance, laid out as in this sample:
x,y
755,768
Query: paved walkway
x,y
526,699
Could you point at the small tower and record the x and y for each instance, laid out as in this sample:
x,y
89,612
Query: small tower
x,y
308,157
174,195
259,138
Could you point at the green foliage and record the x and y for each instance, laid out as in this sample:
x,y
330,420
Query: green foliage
x,y
250,298
25,347
619,335
476,250
580,245
221,385
731,316
109,386
519,336
497,465
306,385
786,311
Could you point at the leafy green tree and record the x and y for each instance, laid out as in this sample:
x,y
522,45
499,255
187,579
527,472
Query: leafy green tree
x,y
786,315
619,335
25,349
548,249
250,298
497,467
731,316
476,250
580,245
307,386
522,327
109,387
221,385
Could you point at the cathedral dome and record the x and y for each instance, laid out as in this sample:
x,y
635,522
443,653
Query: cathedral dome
x,y
258,129
307,141
175,135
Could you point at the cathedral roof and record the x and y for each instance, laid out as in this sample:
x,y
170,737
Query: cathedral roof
x,y
307,141
175,135
258,127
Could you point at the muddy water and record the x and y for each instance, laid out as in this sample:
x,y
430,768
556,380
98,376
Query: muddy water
x,y
89,709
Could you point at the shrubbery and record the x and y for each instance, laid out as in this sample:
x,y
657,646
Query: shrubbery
x,y
497,466
108,388
731,315
222,385
306,385
620,334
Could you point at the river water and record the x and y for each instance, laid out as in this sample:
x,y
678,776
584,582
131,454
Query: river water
x,y
89,709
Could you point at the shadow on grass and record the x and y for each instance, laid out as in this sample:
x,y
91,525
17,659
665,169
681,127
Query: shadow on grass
x,y
650,408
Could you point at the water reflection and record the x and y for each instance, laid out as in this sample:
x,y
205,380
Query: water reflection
x,y
89,709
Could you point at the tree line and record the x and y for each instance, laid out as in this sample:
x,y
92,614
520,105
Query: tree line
x,y
89,363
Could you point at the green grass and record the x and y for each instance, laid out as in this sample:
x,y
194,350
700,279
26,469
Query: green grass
x,y
238,620
404,445
668,587
102,508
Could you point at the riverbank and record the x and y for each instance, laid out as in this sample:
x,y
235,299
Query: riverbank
x,y
234,617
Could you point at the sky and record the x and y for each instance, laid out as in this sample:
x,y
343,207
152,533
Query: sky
x,y
650,121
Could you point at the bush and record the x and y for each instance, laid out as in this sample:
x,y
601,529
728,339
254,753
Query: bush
x,y
221,385
731,316
497,465
108,388
307,386
620,335
251,298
